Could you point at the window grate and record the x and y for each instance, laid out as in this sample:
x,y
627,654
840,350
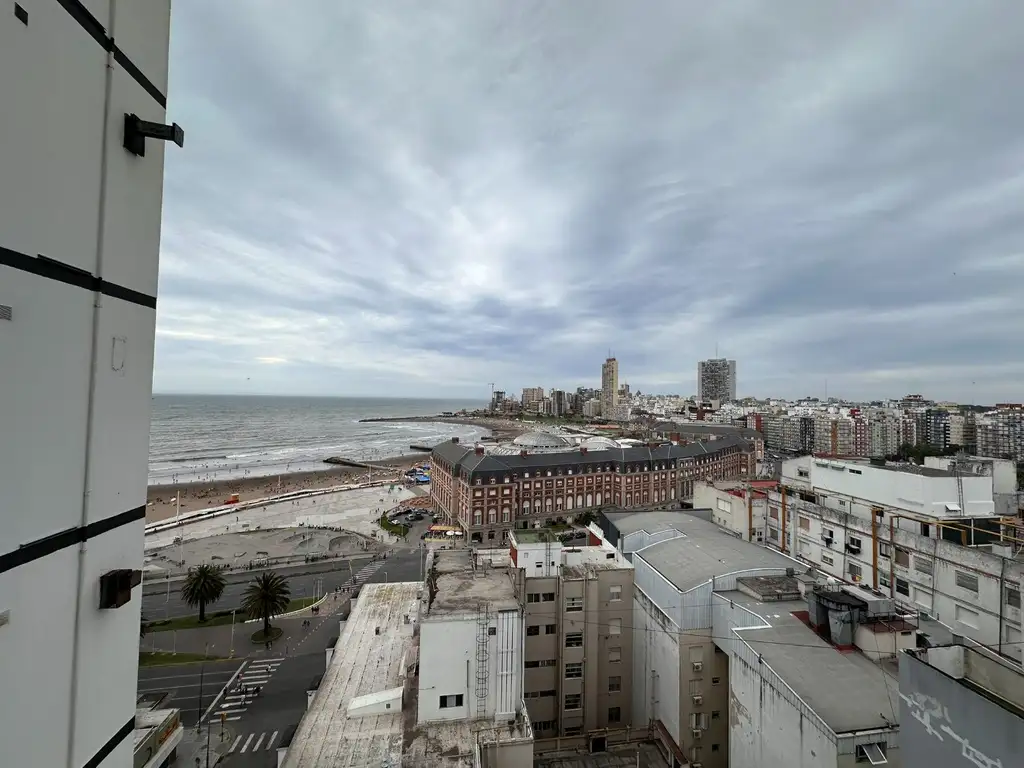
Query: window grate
x,y
6,312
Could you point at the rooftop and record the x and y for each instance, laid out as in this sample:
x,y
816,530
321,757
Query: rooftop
x,y
844,688
454,741
365,663
535,536
466,583
652,522
466,457
705,551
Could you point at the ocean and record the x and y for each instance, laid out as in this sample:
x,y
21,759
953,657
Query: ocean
x,y
219,437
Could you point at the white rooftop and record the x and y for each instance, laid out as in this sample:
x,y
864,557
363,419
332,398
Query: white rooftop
x,y
364,663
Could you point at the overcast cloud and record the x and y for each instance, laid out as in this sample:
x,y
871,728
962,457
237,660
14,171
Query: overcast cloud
x,y
402,197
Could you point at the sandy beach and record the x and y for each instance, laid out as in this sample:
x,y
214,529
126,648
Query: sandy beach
x,y
201,495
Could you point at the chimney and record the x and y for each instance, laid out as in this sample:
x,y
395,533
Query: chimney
x,y
479,450
583,450
455,439
522,453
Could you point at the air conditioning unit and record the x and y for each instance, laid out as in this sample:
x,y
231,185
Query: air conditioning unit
x,y
698,700
698,666
697,732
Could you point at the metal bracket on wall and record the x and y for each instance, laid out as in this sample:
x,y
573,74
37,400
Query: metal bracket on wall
x,y
137,130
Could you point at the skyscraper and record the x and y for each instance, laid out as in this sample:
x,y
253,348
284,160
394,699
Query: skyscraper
x,y
609,387
716,380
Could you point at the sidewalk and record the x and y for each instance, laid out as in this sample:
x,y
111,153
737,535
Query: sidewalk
x,y
192,750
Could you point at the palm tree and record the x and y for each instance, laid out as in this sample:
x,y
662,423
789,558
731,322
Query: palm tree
x,y
203,585
267,595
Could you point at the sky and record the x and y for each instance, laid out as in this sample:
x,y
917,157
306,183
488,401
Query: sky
x,y
407,198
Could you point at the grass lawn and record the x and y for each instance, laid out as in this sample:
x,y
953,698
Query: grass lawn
x,y
216,618
147,659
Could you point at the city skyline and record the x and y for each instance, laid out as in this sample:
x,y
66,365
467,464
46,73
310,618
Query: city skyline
x,y
426,226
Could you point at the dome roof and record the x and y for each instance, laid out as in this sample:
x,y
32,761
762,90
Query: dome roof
x,y
545,440
599,443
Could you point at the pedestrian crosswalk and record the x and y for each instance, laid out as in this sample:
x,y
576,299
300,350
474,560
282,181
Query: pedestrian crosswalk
x,y
253,742
364,573
238,699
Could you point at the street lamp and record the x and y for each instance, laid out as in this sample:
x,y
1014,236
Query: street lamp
x,y
231,653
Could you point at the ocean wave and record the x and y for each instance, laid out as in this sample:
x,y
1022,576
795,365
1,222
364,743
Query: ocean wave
x,y
183,459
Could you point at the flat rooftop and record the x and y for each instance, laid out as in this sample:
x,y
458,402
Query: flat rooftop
x,y
705,550
466,583
451,744
364,662
536,536
844,688
652,522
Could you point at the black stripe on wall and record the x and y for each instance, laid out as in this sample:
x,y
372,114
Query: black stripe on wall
x,y
39,548
122,733
97,32
69,275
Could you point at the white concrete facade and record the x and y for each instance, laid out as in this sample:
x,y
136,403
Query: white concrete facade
x,y
450,688
76,350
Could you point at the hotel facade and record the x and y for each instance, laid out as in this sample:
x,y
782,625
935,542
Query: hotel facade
x,y
487,495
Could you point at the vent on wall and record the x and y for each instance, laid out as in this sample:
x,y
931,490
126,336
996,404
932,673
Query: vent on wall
x,y
6,313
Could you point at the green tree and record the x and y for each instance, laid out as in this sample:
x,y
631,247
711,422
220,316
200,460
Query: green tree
x,y
267,596
203,585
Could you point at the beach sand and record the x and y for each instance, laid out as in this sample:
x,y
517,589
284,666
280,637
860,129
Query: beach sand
x,y
202,495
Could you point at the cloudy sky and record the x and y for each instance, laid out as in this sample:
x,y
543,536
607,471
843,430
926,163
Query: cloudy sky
x,y
401,197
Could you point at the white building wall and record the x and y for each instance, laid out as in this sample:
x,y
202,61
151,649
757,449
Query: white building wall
x,y
768,724
76,369
448,660
655,667
904,490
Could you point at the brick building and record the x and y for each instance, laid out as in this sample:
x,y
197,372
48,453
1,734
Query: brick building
x,y
487,494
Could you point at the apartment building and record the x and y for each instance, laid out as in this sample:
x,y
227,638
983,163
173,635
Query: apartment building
x,y
960,706
81,189
716,380
1000,433
488,495
700,431
577,603
609,387
738,506
901,530
532,398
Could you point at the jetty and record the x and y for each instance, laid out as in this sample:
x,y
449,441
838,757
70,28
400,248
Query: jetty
x,y
343,462
423,448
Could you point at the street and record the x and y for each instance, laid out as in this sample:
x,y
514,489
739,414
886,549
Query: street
x,y
166,604
191,688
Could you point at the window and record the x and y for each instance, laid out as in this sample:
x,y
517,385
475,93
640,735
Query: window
x,y
1013,597
573,701
449,702
853,542
573,671
805,523
573,639
884,549
547,597
614,684
615,592
543,725
614,715
902,557
827,560
926,530
902,587
883,578
716,680
573,604
968,581
715,714
773,533
873,754
695,754
538,664
532,631
533,597
615,627
773,512
615,654
539,694
923,565
492,631
855,571
714,747
967,617
574,730
549,629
